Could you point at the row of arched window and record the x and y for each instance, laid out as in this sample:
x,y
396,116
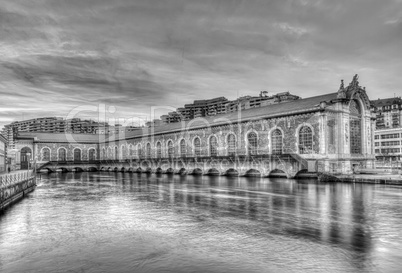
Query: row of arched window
x,y
305,145
62,154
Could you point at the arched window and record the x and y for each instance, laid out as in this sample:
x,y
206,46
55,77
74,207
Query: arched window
x,y
77,154
182,148
116,153
231,145
61,154
139,151
45,154
158,150
148,151
355,128
252,143
103,153
213,146
170,149
109,153
277,142
131,151
305,140
197,146
91,155
123,152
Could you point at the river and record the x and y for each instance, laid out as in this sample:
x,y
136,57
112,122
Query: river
x,y
129,222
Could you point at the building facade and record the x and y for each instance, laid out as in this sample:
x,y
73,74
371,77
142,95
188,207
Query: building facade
x,y
327,133
3,154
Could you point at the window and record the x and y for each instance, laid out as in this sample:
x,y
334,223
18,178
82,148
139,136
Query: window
x,y
77,154
355,128
116,153
252,143
197,147
170,149
139,151
123,152
305,140
45,154
376,137
148,152
213,146
331,132
158,150
277,141
103,155
183,148
231,145
91,155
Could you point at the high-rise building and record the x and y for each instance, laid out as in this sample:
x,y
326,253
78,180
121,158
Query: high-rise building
x,y
221,105
52,125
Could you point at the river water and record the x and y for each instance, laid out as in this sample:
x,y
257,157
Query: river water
x,y
115,222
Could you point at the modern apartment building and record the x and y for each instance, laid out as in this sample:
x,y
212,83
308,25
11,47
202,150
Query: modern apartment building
x,y
221,105
52,125
389,112
3,154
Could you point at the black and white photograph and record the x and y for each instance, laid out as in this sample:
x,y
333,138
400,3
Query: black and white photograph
x,y
200,136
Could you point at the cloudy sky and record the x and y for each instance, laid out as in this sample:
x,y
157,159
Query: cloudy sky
x,y
63,58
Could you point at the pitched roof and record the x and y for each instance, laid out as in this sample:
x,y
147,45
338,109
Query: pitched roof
x,y
387,101
62,137
269,111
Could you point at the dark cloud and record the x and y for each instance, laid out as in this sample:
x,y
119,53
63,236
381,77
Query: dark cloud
x,y
136,54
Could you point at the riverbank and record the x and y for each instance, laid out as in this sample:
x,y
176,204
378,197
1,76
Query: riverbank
x,y
14,186
390,179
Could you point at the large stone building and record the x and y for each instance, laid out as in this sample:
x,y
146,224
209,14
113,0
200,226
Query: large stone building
x,y
328,133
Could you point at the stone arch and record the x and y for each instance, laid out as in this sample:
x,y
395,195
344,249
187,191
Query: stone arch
x,y
116,152
253,173
197,171
170,171
277,173
103,155
159,170
139,150
213,171
109,152
355,126
123,151
46,153
182,171
232,172
298,140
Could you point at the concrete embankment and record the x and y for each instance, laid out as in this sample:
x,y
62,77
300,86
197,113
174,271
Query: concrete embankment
x,y
390,179
14,186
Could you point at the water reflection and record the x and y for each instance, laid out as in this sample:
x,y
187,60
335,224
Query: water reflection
x,y
169,223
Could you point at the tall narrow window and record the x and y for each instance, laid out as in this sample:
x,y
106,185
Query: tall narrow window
x,y
197,147
116,153
45,154
182,148
123,152
231,145
62,154
305,140
77,154
131,151
91,155
355,128
158,150
213,146
109,153
252,143
103,153
148,151
277,141
139,151
170,149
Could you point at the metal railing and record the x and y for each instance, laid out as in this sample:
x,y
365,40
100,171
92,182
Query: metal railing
x,y
9,179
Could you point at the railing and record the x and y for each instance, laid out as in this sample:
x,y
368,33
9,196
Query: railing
x,y
7,180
